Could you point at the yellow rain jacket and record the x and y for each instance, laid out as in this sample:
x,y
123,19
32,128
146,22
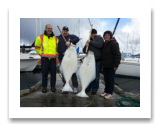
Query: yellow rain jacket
x,y
47,47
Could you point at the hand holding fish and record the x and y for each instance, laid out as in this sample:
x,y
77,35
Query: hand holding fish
x,y
87,43
115,68
67,43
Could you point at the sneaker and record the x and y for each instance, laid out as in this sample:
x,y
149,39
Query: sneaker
x,y
108,96
93,93
75,90
103,94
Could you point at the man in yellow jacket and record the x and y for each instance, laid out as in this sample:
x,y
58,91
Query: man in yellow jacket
x,y
46,46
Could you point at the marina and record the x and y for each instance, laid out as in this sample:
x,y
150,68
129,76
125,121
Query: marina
x,y
127,77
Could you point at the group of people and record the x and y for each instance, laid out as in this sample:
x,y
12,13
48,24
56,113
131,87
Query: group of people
x,y
106,52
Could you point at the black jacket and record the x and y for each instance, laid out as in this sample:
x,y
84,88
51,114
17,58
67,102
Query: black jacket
x,y
95,46
62,46
111,55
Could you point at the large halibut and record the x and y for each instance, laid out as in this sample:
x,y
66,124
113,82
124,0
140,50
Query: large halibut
x,y
86,73
69,66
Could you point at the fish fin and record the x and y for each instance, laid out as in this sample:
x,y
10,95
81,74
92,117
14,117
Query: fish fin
x,y
82,94
67,88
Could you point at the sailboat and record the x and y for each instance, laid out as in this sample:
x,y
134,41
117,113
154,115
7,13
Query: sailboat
x,y
129,65
28,56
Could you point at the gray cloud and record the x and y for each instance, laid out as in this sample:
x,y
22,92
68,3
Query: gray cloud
x,y
28,29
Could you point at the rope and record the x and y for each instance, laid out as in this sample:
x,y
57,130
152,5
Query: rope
x,y
133,103
119,103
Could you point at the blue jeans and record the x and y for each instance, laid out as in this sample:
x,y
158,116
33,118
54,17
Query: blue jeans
x,y
94,85
109,78
46,66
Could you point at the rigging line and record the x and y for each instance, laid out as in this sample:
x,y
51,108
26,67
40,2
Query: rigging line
x,y
119,38
89,21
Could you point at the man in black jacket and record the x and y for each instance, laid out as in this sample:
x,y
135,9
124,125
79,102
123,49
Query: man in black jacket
x,y
95,45
62,48
111,58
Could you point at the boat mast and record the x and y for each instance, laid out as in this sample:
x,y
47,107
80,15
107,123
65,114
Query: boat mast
x,y
79,28
40,26
116,26
36,27
127,42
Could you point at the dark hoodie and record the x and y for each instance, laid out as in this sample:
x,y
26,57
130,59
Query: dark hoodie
x,y
62,46
95,46
111,55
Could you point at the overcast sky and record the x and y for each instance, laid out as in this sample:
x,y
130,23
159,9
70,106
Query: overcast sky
x,y
127,32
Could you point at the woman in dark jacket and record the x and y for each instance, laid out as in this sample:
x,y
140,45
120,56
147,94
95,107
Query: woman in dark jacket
x,y
111,58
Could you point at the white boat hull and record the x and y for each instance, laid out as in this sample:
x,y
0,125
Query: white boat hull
x,y
28,62
129,69
28,65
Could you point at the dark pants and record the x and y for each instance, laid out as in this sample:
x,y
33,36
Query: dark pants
x,y
109,78
74,78
94,85
46,66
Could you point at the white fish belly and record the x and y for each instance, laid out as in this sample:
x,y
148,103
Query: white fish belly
x,y
87,75
69,66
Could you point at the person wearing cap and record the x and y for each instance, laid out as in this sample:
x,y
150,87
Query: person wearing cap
x,y
62,48
95,45
46,45
111,58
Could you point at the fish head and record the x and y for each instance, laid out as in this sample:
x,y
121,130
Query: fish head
x,y
71,50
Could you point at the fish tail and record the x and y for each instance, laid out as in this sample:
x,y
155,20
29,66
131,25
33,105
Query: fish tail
x,y
67,88
82,94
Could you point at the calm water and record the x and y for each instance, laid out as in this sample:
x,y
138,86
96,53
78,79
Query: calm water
x,y
28,79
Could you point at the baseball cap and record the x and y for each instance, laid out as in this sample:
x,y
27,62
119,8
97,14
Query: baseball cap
x,y
65,28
